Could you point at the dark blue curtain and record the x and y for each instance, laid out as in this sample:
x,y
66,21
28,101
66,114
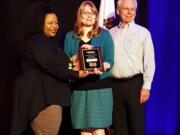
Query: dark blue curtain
x,y
163,108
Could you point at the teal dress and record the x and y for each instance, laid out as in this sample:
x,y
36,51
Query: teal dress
x,y
91,100
91,108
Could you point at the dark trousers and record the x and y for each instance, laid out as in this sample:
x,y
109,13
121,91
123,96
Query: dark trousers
x,y
128,112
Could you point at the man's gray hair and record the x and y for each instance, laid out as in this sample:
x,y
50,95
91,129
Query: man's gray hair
x,y
120,1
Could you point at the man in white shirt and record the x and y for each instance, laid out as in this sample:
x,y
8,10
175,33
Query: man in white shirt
x,y
133,70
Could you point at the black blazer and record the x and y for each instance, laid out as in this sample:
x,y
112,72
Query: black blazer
x,y
44,81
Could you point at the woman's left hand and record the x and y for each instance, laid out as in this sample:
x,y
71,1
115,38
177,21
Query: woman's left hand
x,y
75,62
97,71
106,66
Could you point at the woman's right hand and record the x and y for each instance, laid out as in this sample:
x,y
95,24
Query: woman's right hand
x,y
87,46
83,74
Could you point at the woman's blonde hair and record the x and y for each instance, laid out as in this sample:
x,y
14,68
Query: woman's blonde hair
x,y
78,24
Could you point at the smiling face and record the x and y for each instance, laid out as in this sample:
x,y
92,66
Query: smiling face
x,y
50,25
127,10
88,16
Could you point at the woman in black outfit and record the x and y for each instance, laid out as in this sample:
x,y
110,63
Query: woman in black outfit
x,y
42,88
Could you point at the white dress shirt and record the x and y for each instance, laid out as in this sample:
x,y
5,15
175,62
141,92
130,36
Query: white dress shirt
x,y
134,53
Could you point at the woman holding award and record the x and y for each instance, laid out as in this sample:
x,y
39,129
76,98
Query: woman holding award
x,y
91,100
42,89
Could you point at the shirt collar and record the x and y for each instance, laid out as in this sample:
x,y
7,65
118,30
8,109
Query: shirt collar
x,y
126,26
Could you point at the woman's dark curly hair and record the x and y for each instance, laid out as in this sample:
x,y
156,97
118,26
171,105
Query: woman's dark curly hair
x,y
34,19
33,22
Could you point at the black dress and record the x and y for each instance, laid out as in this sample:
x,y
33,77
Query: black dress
x,y
43,81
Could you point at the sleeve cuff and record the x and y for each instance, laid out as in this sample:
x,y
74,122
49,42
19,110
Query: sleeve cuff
x,y
147,85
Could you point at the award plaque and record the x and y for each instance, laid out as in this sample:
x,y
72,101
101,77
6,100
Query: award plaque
x,y
90,59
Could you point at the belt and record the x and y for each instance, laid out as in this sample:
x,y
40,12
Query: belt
x,y
129,78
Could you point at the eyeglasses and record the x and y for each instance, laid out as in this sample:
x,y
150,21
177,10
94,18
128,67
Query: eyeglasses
x,y
129,9
88,13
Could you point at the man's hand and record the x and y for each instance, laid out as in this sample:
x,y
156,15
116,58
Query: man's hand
x,y
144,95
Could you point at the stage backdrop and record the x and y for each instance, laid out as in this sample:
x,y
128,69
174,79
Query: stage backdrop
x,y
163,109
